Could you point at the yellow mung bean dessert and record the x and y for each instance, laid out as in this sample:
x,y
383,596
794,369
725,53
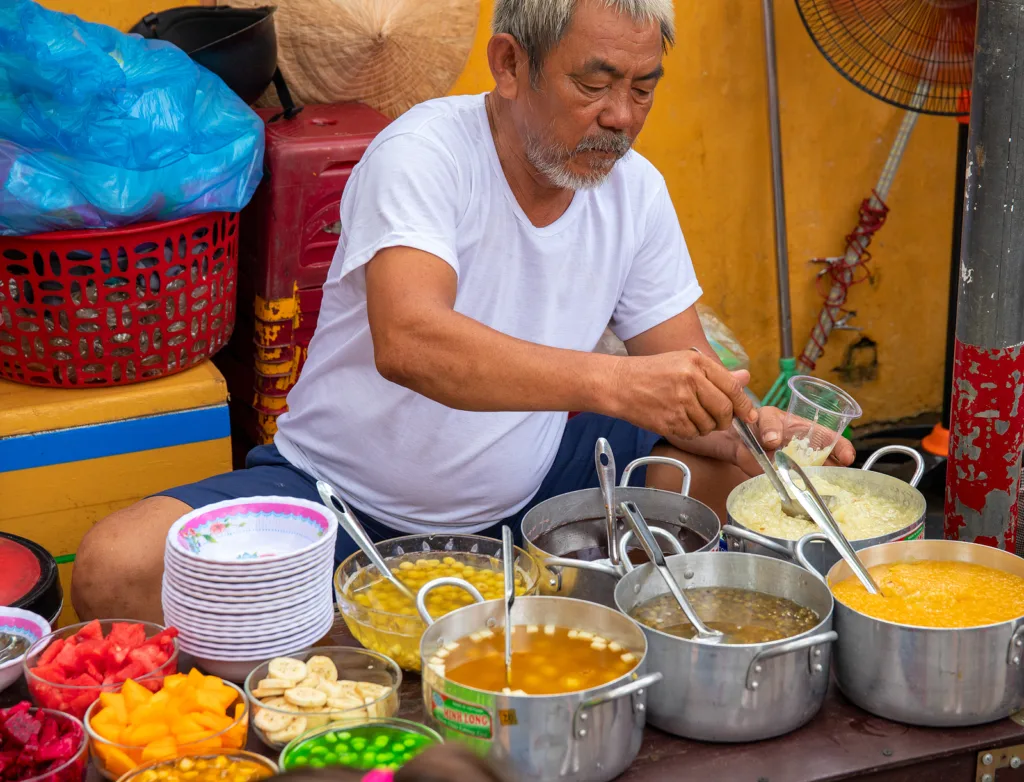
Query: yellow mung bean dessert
x,y
859,515
937,594
380,594
211,769
546,660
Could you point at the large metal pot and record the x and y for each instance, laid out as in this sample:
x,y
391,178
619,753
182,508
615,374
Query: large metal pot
x,y
935,677
575,522
820,553
742,692
586,736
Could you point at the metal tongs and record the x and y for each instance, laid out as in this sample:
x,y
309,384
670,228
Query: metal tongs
x,y
812,503
643,533
789,506
351,525
508,556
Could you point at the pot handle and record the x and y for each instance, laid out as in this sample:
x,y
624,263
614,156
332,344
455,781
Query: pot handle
x,y
658,532
745,534
580,564
903,449
636,687
645,460
801,555
1013,656
421,596
811,643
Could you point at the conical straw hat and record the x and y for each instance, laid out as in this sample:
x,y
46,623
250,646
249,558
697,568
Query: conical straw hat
x,y
389,54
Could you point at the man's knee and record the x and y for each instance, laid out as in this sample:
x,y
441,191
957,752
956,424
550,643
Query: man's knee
x,y
123,550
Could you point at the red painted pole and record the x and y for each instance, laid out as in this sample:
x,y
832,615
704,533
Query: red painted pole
x,y
987,426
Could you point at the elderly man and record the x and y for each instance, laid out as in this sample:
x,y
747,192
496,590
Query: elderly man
x,y
487,242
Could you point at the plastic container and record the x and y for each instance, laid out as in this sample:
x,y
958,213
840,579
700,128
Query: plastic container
x,y
105,754
233,754
43,595
50,694
353,664
394,725
117,306
397,635
818,414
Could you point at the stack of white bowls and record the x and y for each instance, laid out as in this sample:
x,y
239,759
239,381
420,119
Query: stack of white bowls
x,y
249,579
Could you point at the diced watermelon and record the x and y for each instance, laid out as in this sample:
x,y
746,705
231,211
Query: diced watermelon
x,y
126,635
91,631
131,671
51,651
149,657
67,658
52,673
85,680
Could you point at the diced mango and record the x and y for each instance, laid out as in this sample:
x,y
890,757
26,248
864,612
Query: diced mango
x,y
161,698
147,733
135,695
114,760
184,725
111,731
195,678
171,682
212,721
115,702
160,749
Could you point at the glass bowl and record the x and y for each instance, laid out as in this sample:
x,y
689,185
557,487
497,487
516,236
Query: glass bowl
x,y
76,767
76,699
391,625
136,775
353,664
395,725
114,760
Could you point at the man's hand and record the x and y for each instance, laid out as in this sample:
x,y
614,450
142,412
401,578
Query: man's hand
x,y
680,395
769,429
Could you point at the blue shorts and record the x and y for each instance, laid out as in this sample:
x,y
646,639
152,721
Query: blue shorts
x,y
268,473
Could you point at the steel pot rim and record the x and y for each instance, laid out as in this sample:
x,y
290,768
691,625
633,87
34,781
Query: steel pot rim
x,y
756,647
1015,625
626,678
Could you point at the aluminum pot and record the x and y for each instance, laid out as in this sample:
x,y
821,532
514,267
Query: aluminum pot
x,y
935,677
734,692
820,553
575,522
585,736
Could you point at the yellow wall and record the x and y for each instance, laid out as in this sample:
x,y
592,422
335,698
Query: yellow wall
x,y
708,135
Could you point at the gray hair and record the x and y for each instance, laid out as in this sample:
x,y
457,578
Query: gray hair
x,y
538,25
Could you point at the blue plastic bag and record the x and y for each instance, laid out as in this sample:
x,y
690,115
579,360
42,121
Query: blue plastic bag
x,y
100,129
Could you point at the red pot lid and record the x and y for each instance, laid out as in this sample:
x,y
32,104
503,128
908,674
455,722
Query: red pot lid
x,y
19,571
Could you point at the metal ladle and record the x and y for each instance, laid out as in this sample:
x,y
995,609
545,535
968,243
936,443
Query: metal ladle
x,y
351,525
9,647
789,506
650,545
508,555
812,503
604,460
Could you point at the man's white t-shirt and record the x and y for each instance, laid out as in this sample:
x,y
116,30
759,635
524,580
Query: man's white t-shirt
x,y
432,181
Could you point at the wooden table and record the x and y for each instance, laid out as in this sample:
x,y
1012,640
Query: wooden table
x,y
840,743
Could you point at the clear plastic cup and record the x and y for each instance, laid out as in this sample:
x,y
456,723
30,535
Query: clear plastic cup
x,y
818,414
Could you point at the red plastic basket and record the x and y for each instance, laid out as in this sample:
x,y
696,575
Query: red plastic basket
x,y
118,306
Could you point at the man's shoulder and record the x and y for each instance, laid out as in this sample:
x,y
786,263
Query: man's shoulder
x,y
443,123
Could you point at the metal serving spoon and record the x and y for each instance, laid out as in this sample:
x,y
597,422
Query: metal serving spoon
x,y
508,555
606,476
351,525
812,503
653,550
789,506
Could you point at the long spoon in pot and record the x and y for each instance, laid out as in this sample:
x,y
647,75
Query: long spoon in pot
x,y
655,554
789,506
811,502
508,556
348,522
604,460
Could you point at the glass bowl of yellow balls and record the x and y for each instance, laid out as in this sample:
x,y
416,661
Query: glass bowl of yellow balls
x,y
382,619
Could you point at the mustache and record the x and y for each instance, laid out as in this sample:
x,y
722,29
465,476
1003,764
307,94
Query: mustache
x,y
612,143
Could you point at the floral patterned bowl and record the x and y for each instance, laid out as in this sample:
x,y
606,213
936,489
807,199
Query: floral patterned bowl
x,y
253,531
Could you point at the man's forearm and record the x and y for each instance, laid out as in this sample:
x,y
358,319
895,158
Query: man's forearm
x,y
465,365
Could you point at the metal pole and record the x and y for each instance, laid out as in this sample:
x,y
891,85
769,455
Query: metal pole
x,y
778,187
988,374
954,269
